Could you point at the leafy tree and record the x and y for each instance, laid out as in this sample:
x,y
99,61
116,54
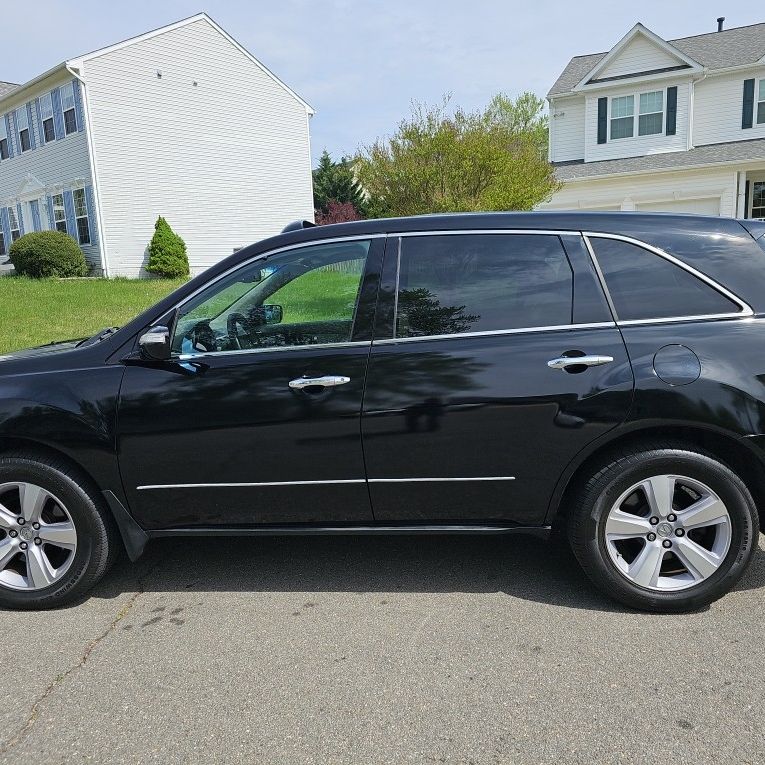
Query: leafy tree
x,y
336,182
167,252
459,161
337,212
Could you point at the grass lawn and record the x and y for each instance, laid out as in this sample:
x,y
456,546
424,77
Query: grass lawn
x,y
38,311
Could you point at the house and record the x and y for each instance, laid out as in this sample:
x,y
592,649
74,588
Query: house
x,y
181,122
663,125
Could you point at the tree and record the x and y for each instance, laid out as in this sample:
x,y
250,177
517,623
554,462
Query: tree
x,y
167,252
441,161
337,212
336,182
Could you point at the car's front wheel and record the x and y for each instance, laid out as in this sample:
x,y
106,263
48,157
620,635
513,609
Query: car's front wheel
x,y
56,541
664,528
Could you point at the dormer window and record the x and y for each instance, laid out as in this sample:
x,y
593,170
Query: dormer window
x,y
622,117
651,117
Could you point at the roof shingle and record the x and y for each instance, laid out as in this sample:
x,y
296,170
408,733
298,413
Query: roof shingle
x,y
6,88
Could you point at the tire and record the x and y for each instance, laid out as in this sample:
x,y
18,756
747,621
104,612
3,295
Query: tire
x,y
668,574
67,498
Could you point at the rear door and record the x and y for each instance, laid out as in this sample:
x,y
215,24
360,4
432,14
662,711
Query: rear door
x,y
473,405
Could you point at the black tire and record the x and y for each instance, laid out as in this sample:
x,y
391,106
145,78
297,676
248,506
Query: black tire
x,y
97,537
602,489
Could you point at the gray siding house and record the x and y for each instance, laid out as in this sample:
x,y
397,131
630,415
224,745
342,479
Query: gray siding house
x,y
181,122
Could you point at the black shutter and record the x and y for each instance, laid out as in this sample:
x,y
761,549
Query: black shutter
x,y
747,188
603,118
672,110
747,112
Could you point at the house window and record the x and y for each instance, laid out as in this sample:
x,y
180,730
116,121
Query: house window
x,y
59,214
22,123
46,114
81,214
758,200
651,116
761,104
3,140
15,227
67,104
622,117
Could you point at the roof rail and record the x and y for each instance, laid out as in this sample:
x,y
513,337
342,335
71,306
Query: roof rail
x,y
297,225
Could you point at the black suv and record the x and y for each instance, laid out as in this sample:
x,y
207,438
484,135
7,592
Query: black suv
x,y
599,375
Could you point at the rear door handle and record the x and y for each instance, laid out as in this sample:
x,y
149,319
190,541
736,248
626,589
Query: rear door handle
x,y
328,381
564,362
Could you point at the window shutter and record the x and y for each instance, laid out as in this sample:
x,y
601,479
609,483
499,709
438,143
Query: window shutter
x,y
6,224
51,219
31,124
34,205
602,119
90,204
747,190
38,114
71,223
13,136
20,219
9,131
78,105
58,115
672,110
747,112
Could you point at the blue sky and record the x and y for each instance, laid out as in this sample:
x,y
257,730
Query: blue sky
x,y
361,64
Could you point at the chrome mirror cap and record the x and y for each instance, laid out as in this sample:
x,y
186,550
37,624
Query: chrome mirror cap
x,y
155,344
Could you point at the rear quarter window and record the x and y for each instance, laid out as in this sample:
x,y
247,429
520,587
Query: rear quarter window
x,y
644,285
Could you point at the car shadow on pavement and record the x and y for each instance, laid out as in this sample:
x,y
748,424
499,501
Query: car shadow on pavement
x,y
520,567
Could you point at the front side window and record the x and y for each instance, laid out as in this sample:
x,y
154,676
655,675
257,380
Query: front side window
x,y
644,285
4,153
651,116
761,104
449,284
67,104
22,123
622,117
14,224
46,115
305,296
59,213
81,216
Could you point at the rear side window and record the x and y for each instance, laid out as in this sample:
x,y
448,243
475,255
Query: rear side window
x,y
644,285
481,282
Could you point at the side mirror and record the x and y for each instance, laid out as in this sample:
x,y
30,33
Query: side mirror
x,y
155,344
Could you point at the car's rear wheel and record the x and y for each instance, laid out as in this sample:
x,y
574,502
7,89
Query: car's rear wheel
x,y
56,540
664,528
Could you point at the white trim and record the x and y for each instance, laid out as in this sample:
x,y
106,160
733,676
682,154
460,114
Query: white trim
x,y
259,484
638,29
438,480
77,62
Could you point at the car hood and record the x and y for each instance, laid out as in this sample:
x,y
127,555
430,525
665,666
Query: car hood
x,y
41,350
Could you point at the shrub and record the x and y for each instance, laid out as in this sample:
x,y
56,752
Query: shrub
x,y
337,212
167,252
47,253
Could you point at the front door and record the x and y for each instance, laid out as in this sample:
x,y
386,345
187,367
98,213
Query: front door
x,y
465,417
256,418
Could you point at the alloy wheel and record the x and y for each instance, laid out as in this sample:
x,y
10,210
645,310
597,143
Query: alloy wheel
x,y
38,539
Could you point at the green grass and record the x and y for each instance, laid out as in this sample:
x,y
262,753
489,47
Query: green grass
x,y
38,311
319,295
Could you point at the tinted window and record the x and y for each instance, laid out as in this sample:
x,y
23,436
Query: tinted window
x,y
479,282
644,285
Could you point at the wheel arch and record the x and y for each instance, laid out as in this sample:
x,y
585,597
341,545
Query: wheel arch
x,y
732,450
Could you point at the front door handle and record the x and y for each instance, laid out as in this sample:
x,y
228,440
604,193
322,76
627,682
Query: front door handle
x,y
328,381
564,362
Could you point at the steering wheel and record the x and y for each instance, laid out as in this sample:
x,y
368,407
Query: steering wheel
x,y
234,320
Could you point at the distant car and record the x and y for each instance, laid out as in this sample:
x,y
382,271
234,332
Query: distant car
x,y
600,375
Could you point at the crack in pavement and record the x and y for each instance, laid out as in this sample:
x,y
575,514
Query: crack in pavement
x,y
34,711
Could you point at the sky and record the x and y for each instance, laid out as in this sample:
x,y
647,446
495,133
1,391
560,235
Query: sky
x,y
361,64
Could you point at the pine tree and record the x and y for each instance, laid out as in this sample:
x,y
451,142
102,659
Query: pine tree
x,y
167,252
336,182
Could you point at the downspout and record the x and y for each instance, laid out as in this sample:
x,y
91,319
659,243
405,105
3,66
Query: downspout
x,y
691,108
93,168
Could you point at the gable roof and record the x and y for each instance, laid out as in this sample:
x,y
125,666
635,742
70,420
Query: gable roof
x,y
737,46
77,62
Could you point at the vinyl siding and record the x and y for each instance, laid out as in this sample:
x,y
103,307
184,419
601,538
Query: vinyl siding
x,y
639,55
691,190
227,161
567,129
717,109
637,146
55,166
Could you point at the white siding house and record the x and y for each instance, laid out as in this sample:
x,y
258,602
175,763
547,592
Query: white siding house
x,y
663,125
180,122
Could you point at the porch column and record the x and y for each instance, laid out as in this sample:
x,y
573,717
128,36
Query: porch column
x,y
741,198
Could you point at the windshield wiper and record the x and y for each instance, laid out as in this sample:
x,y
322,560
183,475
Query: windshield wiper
x,y
98,337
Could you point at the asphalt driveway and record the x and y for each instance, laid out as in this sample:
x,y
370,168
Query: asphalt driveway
x,y
370,650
